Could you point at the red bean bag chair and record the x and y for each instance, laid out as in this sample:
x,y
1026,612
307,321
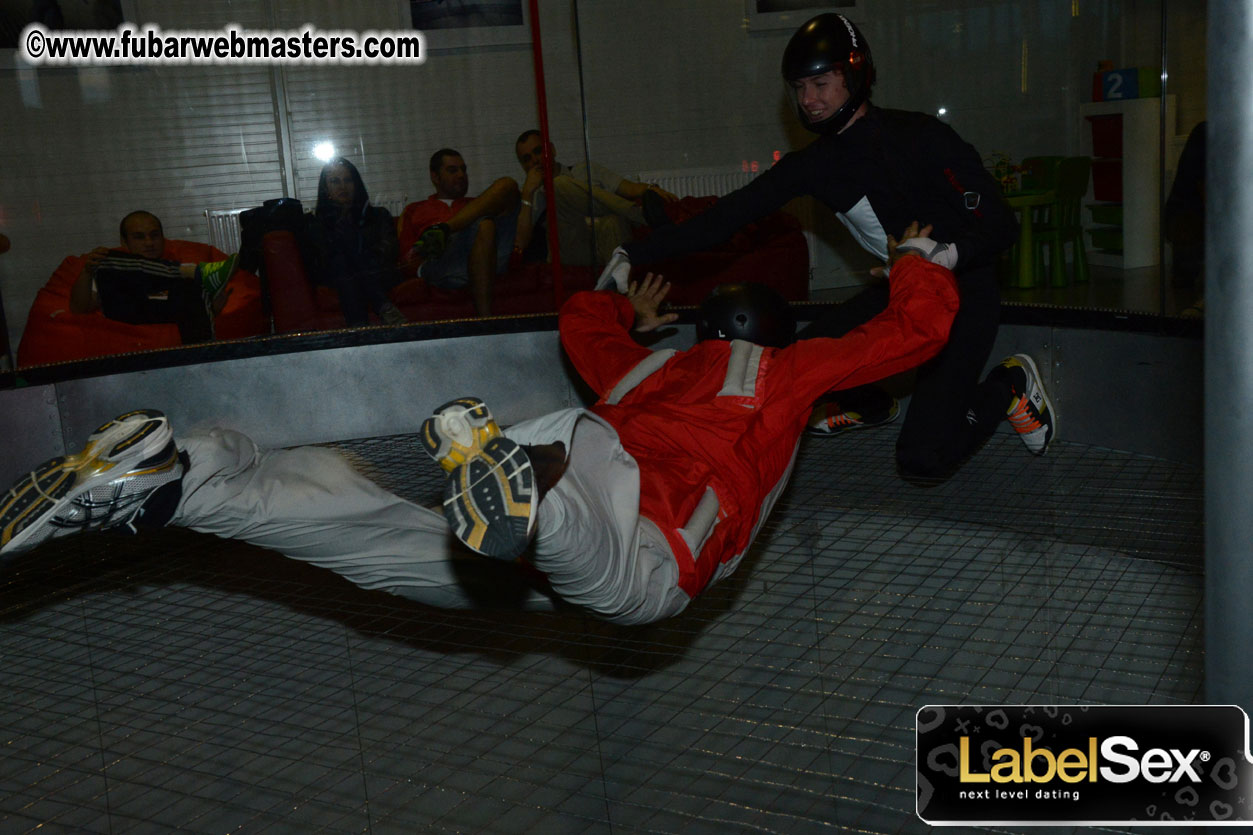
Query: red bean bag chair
x,y
54,334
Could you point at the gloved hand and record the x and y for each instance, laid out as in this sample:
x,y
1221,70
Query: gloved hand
x,y
937,253
916,241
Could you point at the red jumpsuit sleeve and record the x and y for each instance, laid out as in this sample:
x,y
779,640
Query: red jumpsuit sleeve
x,y
595,332
912,330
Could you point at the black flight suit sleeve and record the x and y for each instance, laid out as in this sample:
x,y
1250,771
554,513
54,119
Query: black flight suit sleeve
x,y
764,194
982,225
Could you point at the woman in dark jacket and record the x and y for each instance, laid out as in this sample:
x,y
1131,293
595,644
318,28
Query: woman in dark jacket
x,y
351,247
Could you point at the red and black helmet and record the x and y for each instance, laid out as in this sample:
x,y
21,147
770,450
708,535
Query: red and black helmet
x,y
831,42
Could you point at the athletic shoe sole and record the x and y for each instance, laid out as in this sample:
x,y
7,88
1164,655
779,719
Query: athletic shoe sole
x,y
1027,361
129,457
490,500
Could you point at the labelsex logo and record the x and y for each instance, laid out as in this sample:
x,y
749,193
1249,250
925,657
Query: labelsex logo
x,y
1072,765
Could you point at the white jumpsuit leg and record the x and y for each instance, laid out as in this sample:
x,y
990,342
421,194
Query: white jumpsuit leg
x,y
310,504
591,542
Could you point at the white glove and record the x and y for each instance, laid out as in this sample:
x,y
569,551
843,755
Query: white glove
x,y
937,253
616,273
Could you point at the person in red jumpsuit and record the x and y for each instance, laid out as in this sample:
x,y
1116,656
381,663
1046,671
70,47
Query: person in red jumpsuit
x,y
700,442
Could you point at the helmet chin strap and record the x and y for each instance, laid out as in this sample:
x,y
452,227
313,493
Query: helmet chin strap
x,y
837,121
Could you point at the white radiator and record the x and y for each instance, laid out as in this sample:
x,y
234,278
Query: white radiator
x,y
698,182
394,203
224,228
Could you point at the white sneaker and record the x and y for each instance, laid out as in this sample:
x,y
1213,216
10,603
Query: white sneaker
x,y
833,418
1031,413
617,273
105,486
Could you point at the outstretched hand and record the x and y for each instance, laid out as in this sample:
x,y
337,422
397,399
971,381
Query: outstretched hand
x,y
646,298
911,231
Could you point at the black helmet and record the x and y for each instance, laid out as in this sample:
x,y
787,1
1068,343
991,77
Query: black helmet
x,y
831,42
752,312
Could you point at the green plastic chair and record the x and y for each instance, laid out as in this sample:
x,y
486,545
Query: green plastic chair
x,y
1038,174
1060,223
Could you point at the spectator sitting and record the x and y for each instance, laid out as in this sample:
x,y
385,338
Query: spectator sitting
x,y
145,283
586,228
350,246
455,240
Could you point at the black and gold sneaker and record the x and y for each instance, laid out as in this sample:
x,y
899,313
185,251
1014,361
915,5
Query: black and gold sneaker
x,y
490,501
490,495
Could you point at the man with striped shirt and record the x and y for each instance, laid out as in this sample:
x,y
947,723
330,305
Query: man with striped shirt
x,y
144,282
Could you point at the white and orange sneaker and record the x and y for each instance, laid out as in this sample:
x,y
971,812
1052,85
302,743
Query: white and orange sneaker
x,y
1031,413
862,407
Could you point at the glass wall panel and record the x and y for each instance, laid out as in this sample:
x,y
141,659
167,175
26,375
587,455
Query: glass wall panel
x,y
699,89
196,144
684,96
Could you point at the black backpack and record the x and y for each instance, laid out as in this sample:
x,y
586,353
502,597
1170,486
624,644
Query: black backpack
x,y
272,215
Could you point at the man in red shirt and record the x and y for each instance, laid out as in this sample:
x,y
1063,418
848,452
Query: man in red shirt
x,y
455,241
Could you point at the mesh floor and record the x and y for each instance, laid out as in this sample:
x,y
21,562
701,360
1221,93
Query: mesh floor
x,y
178,681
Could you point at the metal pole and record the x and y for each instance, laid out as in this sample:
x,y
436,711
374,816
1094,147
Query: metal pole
x,y
550,205
587,138
1162,185
1229,356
